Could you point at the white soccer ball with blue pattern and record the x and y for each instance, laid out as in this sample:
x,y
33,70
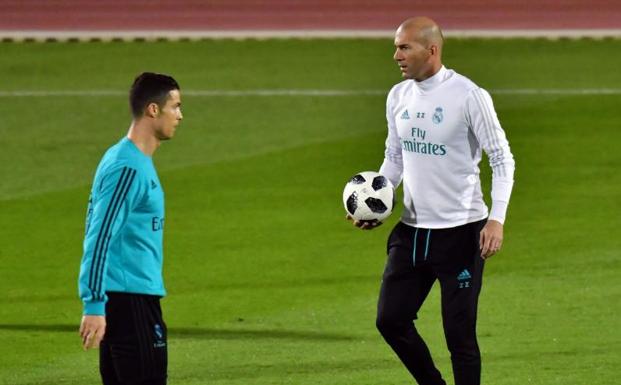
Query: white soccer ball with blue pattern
x,y
369,196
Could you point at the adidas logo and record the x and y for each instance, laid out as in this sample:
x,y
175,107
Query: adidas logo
x,y
153,185
464,275
405,115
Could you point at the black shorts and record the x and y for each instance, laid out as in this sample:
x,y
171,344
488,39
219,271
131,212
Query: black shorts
x,y
134,349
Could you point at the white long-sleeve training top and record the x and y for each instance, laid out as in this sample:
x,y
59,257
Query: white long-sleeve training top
x,y
436,130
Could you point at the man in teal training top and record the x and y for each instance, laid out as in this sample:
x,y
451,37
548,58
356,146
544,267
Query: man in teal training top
x,y
120,280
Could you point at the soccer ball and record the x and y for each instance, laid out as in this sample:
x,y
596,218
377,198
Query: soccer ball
x,y
369,196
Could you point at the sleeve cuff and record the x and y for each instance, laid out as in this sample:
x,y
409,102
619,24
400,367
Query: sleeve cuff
x,y
498,211
94,308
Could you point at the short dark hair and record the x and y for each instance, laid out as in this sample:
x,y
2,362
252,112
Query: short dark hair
x,y
150,88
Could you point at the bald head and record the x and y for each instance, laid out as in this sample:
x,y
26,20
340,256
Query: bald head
x,y
418,43
423,30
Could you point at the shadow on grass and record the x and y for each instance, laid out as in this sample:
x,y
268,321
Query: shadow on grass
x,y
202,333
274,284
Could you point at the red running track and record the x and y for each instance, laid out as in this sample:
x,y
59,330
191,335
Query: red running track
x,y
220,15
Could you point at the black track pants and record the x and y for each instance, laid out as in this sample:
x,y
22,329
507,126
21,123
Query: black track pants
x,y
416,258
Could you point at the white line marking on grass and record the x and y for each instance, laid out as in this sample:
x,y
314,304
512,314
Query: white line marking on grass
x,y
208,93
291,92
46,93
557,91
303,92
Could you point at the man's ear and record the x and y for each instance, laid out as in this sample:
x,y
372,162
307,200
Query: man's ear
x,y
434,49
152,110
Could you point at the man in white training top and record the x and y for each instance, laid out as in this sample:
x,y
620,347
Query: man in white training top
x,y
438,123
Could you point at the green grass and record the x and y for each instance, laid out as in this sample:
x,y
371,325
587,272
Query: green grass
x,y
267,283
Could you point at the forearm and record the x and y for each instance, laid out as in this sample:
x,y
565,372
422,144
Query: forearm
x,y
501,193
392,171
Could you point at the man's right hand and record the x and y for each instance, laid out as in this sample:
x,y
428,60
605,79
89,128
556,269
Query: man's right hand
x,y
92,330
364,225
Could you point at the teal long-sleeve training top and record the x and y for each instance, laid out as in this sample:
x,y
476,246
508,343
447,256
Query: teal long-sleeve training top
x,y
124,229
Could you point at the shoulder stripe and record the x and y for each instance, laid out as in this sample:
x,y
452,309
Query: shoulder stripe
x,y
106,240
99,254
487,116
101,229
494,140
490,131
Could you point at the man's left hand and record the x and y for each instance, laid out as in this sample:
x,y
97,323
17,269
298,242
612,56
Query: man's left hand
x,y
490,239
92,330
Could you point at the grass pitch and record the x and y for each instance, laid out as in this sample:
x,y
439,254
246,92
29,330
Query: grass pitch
x,y
267,282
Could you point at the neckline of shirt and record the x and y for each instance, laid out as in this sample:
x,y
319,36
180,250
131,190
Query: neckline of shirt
x,y
135,148
433,81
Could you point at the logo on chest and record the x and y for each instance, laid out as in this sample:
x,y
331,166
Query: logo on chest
x,y
438,116
418,143
422,139
157,223
406,115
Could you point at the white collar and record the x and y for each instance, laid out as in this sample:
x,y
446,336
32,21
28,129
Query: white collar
x,y
431,82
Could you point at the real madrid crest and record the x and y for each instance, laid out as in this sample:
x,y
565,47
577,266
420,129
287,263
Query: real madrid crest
x,y
437,116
